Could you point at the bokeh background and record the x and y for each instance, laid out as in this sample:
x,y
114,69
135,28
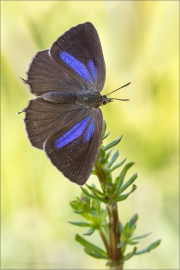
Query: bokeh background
x,y
140,41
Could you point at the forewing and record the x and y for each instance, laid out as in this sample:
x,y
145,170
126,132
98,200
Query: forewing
x,y
74,153
79,52
44,75
43,119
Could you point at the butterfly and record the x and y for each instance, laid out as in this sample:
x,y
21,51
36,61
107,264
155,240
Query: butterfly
x,y
64,119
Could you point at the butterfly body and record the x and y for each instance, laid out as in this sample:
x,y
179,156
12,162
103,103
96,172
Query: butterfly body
x,y
90,100
64,119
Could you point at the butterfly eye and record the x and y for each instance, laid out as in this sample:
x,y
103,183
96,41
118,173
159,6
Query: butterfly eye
x,y
103,100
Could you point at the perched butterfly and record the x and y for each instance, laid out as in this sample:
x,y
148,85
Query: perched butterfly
x,y
64,119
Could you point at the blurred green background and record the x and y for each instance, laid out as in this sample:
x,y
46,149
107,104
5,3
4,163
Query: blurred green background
x,y
140,44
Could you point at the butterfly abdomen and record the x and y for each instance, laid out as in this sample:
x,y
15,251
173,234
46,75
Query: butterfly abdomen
x,y
90,100
60,97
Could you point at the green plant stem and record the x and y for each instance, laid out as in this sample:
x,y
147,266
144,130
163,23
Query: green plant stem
x,y
114,231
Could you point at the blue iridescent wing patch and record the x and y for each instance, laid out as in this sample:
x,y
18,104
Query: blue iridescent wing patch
x,y
88,74
89,132
93,69
84,128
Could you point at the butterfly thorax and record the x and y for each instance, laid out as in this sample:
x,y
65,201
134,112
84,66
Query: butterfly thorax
x,y
88,99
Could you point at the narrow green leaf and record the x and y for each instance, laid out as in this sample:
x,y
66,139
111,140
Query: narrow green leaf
x,y
141,236
121,227
129,255
124,196
149,248
93,212
127,232
132,242
96,204
87,193
108,154
93,189
90,231
117,166
99,198
120,179
90,246
80,211
113,143
121,244
113,159
74,204
104,214
133,220
80,224
104,127
93,172
106,135
128,183
95,254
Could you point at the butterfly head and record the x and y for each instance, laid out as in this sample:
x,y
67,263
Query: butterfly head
x,y
104,100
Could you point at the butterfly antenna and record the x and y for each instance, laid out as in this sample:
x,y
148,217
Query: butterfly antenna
x,y
120,99
24,81
118,89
